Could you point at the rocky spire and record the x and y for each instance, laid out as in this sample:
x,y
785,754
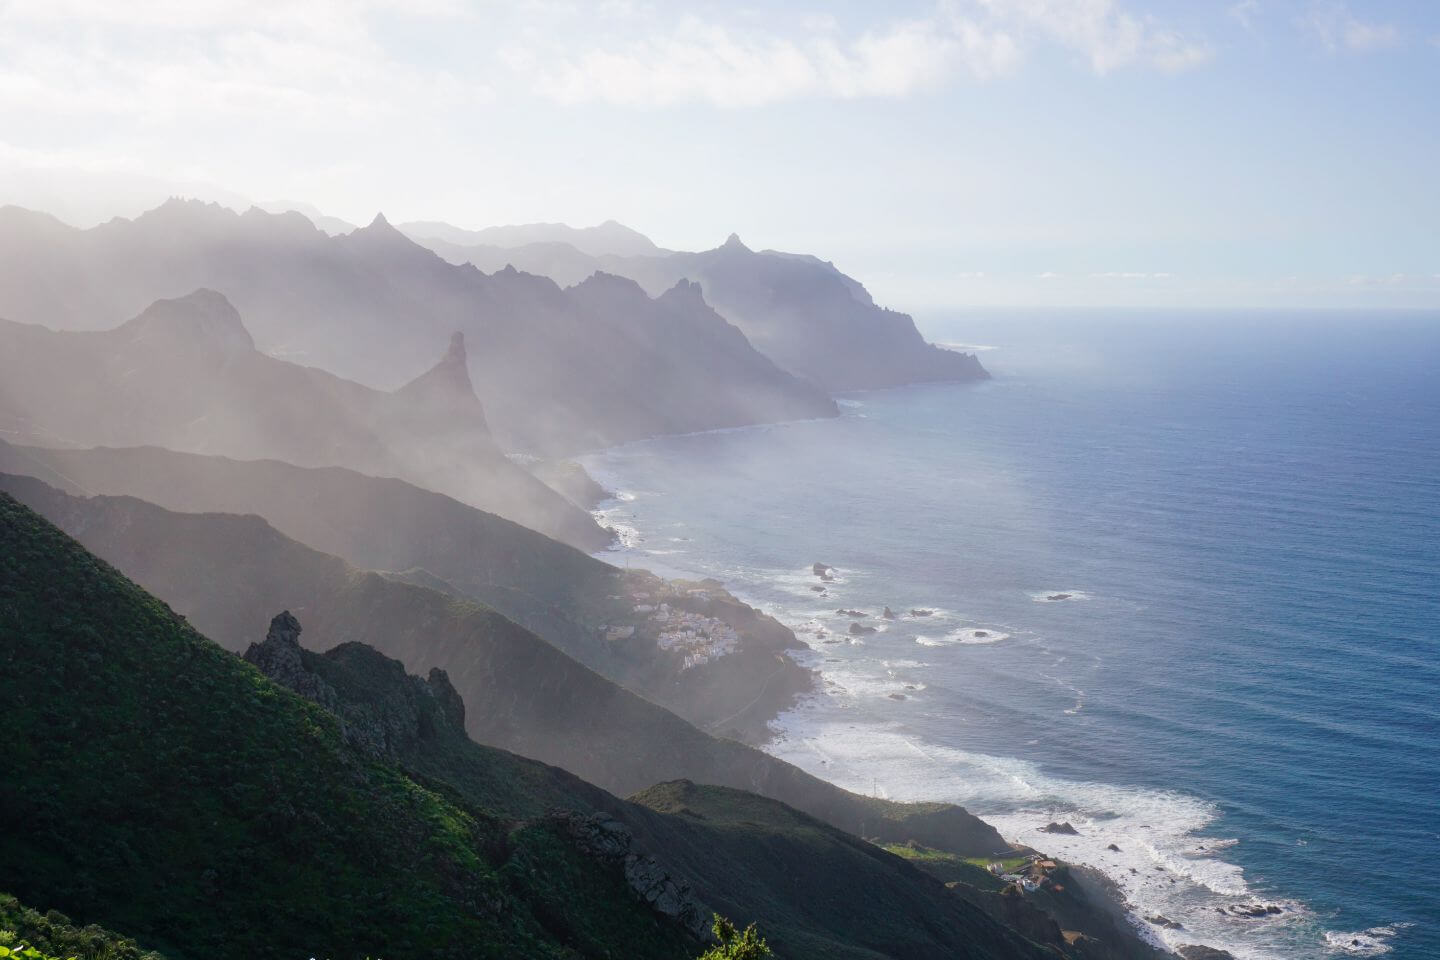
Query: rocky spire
x,y
281,659
445,391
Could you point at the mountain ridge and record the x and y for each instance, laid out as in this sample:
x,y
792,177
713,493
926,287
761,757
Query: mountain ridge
x,y
558,371
184,374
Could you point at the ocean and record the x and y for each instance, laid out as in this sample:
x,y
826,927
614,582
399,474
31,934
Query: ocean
x,y
1171,577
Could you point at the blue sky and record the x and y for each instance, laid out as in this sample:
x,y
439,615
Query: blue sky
x,y
945,152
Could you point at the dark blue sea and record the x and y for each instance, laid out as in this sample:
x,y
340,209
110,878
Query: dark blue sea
x,y
1183,575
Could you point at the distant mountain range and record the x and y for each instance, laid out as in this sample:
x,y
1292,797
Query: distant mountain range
x,y
557,370
185,374
798,310
606,239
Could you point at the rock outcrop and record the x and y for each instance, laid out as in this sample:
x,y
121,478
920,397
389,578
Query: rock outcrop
x,y
602,836
1198,951
400,710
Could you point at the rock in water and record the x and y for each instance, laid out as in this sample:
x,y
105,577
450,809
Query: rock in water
x,y
888,614
1198,951
1063,827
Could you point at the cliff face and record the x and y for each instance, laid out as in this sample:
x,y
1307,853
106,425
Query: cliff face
x,y
557,370
800,311
184,374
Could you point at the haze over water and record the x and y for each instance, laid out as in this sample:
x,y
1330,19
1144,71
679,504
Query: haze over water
x,y
1239,691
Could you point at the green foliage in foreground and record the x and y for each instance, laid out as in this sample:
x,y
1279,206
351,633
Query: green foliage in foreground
x,y
28,934
736,944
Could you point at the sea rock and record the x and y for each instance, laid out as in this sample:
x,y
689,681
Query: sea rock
x,y
1198,951
817,588
824,571
888,614
1113,847
1059,596
1251,911
1063,827
850,613
1164,921
920,612
897,696
857,629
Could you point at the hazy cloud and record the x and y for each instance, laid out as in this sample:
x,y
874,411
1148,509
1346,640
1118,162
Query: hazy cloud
x,y
163,61
1103,32
1244,13
1335,28
702,60
732,66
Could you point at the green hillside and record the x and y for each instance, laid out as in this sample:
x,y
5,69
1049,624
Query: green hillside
x,y
172,793
229,574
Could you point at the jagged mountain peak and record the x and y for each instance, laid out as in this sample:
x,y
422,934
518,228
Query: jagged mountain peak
x,y
202,315
451,372
685,290
734,243
445,392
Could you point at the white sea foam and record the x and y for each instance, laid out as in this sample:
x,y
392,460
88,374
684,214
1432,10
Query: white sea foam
x,y
971,636
1158,866
1058,596
1363,943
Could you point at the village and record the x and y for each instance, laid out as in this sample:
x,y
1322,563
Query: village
x,y
661,614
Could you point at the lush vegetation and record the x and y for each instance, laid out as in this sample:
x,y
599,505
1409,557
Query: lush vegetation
x,y
736,944
971,871
32,935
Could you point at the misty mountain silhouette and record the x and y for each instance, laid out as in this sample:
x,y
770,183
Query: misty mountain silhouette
x,y
607,239
798,310
558,370
184,374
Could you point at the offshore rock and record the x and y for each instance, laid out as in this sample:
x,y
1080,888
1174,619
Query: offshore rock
x,y
1198,951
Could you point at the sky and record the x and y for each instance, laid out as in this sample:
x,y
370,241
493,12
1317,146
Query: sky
x,y
947,153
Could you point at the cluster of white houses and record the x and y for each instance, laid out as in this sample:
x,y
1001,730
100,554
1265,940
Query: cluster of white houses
x,y
697,637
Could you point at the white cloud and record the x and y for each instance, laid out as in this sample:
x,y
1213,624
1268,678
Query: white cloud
x,y
730,66
1335,28
1244,12
658,64
159,62
1105,34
